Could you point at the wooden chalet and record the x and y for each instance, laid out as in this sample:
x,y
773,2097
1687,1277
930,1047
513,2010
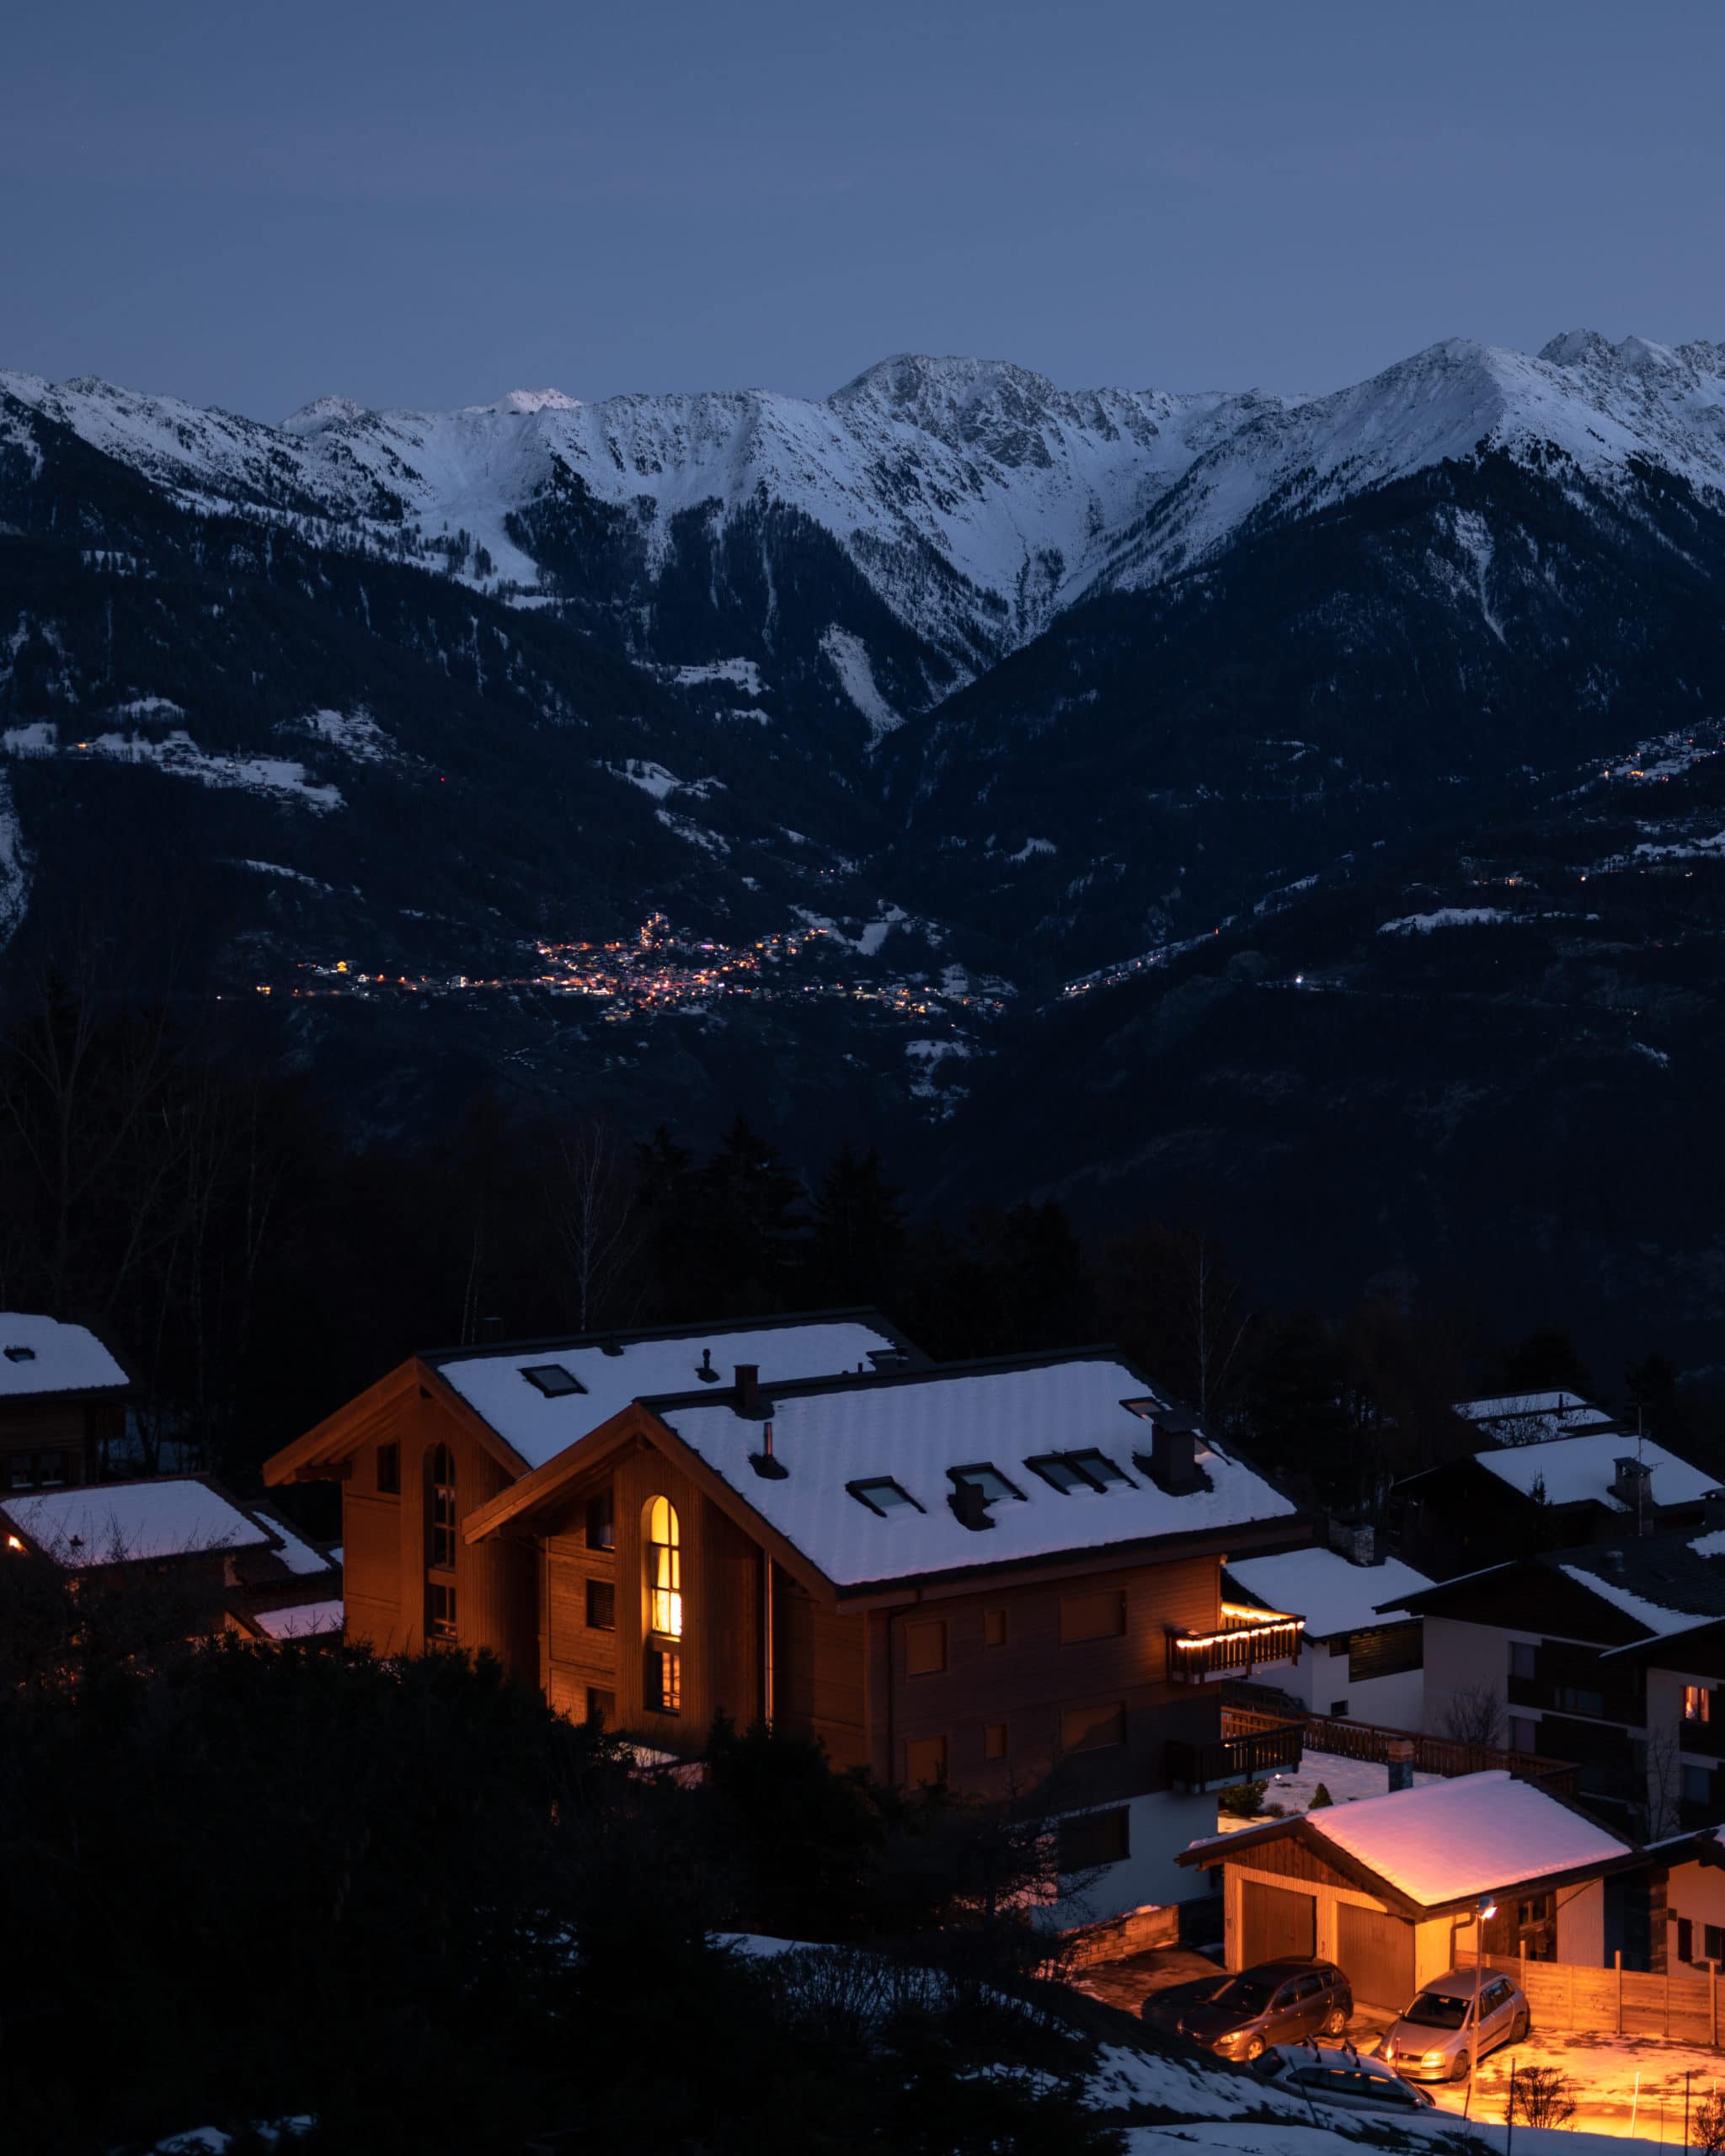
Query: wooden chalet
x,y
1007,1575
1391,1888
1599,1486
1358,1662
62,1401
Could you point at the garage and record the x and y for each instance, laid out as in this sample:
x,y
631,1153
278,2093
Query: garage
x,y
1377,1950
1275,1921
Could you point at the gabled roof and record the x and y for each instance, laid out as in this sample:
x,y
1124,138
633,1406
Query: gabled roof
x,y
42,1355
526,1426
1425,1850
1333,1595
128,1523
1527,1418
1650,1588
1581,1470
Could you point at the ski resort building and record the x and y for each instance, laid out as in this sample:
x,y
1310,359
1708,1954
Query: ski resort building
x,y
1004,1575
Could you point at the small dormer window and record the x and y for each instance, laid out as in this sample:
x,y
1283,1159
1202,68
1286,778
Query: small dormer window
x,y
883,1496
552,1378
20,1354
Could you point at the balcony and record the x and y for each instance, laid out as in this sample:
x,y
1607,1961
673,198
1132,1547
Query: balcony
x,y
1250,1755
1246,1640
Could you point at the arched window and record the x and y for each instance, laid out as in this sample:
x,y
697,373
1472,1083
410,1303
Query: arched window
x,y
664,1673
439,1544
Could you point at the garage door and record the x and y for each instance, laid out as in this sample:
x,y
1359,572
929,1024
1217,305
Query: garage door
x,y
1275,1921
1377,1950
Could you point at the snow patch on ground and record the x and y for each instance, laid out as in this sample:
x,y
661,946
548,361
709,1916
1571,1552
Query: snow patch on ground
x,y
741,673
14,865
274,868
849,658
180,757
1423,924
355,733
41,738
694,833
654,779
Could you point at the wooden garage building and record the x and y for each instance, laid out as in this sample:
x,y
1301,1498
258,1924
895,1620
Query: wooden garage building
x,y
1390,1887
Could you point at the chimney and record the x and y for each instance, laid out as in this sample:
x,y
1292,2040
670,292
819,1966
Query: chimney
x,y
1633,1486
766,1462
748,1401
1173,1464
970,1505
1398,1753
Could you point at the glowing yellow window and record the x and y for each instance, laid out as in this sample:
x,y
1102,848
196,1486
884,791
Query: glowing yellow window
x,y
664,1571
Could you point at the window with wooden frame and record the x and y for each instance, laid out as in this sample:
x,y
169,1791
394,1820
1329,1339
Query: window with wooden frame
x,y
665,1570
1697,1705
1100,1615
389,1470
439,1508
1087,1729
602,1521
439,1610
994,1628
601,1605
602,1706
665,1681
925,1648
926,1760
994,1740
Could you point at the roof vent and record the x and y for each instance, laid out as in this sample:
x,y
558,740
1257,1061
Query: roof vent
x,y
20,1354
706,1372
1613,1562
765,1462
1172,1463
612,1345
969,1504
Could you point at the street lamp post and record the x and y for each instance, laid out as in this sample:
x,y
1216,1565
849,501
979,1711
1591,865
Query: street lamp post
x,y
1486,1908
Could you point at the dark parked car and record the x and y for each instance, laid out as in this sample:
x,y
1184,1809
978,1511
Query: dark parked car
x,y
1165,2009
1274,2003
1341,2078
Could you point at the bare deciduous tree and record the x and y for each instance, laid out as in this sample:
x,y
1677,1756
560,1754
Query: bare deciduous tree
x,y
1475,1715
598,1225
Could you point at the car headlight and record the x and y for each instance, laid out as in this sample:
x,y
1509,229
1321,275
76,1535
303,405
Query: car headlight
x,y
1433,2058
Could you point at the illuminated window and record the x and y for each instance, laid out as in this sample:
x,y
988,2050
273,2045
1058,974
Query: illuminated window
x,y
439,1479
664,1571
1697,1703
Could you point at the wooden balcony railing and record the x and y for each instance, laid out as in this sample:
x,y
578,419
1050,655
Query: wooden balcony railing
x,y
1431,1755
1243,1756
1240,1643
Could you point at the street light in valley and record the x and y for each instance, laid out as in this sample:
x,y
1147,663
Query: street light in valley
x,y
1486,1908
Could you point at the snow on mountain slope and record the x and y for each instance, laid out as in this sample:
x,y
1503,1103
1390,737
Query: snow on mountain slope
x,y
1603,406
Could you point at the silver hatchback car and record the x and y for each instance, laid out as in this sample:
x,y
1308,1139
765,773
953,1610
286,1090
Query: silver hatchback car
x,y
1440,2036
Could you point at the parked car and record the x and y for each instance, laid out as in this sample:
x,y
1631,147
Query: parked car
x,y
1272,2002
1440,2036
1340,2077
1164,2009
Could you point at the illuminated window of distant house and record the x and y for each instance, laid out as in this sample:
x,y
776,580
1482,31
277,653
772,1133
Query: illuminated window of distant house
x,y
1083,1729
926,1759
601,1522
663,1687
439,1544
389,1470
994,1740
1697,1703
994,1628
601,1606
925,1648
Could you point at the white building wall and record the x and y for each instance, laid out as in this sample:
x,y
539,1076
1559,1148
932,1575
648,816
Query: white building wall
x,y
1581,1924
1320,1680
1459,1658
1697,1891
1159,1827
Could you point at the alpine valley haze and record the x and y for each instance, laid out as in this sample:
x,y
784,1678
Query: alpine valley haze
x,y
1302,812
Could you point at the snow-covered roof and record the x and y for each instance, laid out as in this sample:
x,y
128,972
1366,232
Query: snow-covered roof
x,y
40,1354
913,1429
1526,1419
295,1553
1320,1586
1576,1469
1471,1835
1657,1616
300,1621
612,1373
118,1522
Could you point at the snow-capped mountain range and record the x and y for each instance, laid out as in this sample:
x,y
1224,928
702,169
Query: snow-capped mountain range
x,y
976,499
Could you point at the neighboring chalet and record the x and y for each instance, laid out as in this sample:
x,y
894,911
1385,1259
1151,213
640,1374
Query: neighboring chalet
x,y
1533,1418
208,1561
1607,1657
1355,1662
1007,1574
62,1401
1553,1495
1392,1887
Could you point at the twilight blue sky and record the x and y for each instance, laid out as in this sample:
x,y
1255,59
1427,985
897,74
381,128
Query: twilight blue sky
x,y
250,205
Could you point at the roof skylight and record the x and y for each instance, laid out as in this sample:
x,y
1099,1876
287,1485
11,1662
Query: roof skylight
x,y
1088,1470
987,1478
20,1354
552,1378
883,1496
1101,1469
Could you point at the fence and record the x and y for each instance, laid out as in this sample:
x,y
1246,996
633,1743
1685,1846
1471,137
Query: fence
x,y
1570,1995
1431,1755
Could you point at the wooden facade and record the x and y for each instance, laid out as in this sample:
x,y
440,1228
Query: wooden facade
x,y
1050,1676
53,1440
